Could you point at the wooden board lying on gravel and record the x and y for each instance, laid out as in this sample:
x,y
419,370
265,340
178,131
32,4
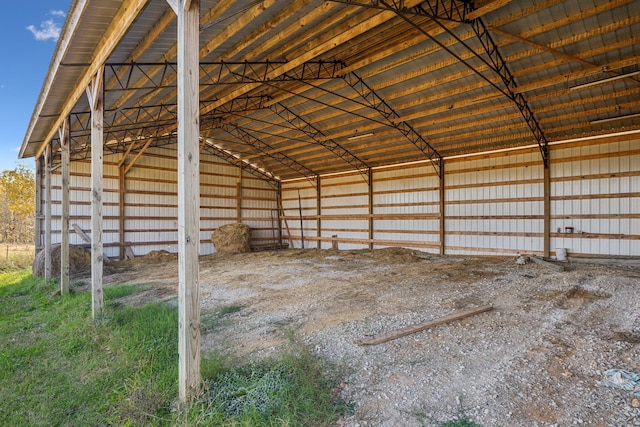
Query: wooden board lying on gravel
x,y
550,264
379,339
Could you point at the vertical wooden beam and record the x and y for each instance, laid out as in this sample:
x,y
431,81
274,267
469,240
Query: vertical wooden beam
x,y
96,103
371,223
47,213
64,226
547,209
37,232
318,212
281,215
122,188
443,248
239,196
189,378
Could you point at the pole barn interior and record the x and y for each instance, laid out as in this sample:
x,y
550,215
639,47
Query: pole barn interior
x,y
449,126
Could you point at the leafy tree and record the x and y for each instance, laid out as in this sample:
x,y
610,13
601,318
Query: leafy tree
x,y
17,207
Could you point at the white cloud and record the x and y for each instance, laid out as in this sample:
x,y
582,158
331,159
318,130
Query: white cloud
x,y
49,29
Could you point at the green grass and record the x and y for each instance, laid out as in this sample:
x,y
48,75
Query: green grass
x,y
294,388
59,367
15,257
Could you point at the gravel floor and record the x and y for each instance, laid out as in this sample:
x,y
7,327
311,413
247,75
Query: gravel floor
x,y
537,359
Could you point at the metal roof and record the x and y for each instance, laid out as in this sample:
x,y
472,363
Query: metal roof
x,y
331,86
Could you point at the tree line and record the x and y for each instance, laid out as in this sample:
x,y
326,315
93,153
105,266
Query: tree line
x,y
17,205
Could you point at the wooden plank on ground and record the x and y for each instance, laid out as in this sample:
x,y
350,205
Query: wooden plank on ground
x,y
379,339
554,265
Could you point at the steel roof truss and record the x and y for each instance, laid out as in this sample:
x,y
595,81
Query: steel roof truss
x,y
265,149
319,138
377,103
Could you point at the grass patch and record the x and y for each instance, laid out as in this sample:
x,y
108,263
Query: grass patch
x,y
59,367
295,388
15,257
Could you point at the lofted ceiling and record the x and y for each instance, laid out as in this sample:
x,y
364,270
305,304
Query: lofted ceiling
x,y
294,88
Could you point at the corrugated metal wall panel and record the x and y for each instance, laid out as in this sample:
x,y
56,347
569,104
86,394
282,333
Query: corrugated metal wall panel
x,y
494,204
595,190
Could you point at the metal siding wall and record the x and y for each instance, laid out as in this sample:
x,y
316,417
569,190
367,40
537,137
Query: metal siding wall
x,y
151,202
495,205
407,191
348,198
291,211
585,182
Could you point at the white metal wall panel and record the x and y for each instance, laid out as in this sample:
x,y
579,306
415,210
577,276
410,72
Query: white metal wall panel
x,y
595,190
346,197
495,205
411,191
292,204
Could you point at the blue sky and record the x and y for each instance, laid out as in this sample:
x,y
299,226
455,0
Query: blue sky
x,y
29,33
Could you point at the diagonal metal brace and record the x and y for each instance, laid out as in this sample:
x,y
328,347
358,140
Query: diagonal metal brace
x,y
500,67
320,138
443,10
457,11
377,103
219,152
267,150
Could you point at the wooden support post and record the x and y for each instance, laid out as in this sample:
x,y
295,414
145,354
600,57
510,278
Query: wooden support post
x,y
281,214
95,96
371,223
121,211
47,213
37,232
64,226
443,248
239,196
189,378
318,212
547,211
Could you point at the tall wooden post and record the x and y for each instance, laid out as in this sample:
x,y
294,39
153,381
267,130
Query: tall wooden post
x,y
121,222
547,211
64,225
318,212
442,210
189,378
96,103
371,223
239,196
47,213
37,232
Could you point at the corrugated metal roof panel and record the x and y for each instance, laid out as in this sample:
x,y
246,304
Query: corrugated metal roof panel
x,y
444,91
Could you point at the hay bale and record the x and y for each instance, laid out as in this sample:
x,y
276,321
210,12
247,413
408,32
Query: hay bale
x,y
232,238
79,261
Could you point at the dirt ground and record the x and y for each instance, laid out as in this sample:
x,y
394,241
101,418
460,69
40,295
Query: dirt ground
x,y
537,359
